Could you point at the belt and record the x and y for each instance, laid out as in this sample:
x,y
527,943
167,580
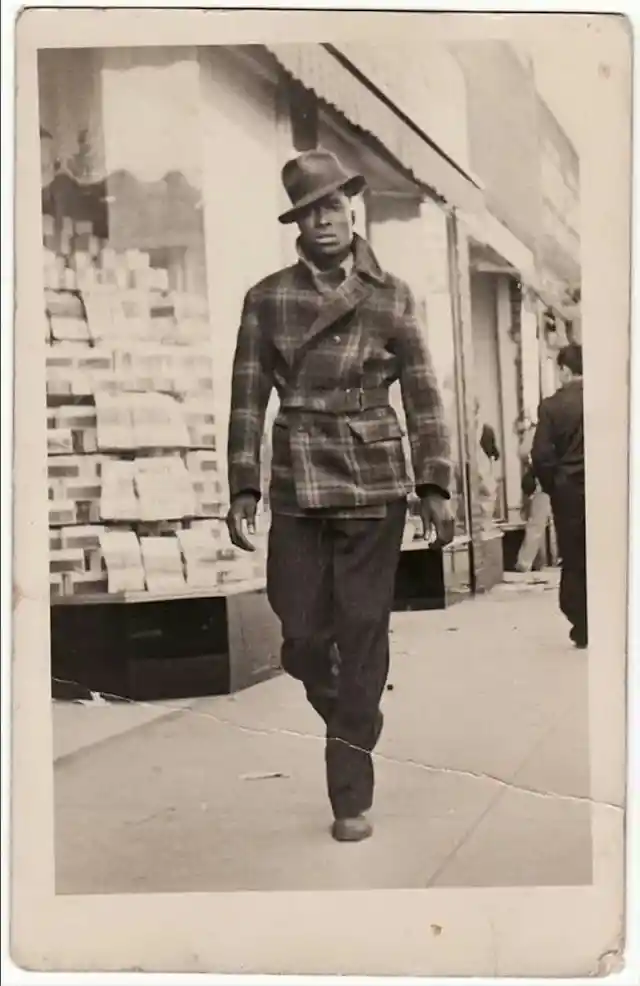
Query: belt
x,y
337,401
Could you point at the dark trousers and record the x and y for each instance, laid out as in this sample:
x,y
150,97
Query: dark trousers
x,y
569,517
331,583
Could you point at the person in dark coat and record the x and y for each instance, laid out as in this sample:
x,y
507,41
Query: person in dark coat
x,y
489,443
331,333
557,456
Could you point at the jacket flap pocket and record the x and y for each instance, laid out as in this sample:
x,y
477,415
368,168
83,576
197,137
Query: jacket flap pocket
x,y
280,421
371,430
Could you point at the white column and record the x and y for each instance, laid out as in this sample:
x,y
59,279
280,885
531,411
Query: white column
x,y
508,354
397,239
360,212
548,355
242,199
285,151
530,358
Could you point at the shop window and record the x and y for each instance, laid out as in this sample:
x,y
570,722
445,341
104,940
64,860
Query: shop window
x,y
120,135
490,434
136,482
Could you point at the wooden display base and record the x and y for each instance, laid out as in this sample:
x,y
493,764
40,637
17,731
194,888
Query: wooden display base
x,y
143,596
164,649
428,579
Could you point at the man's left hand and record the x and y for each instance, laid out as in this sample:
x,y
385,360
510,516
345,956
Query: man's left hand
x,y
436,513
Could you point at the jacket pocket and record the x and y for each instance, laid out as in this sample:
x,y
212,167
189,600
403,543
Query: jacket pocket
x,y
371,430
280,421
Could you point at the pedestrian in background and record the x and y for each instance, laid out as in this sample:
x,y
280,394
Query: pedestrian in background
x,y
536,506
488,456
332,333
558,461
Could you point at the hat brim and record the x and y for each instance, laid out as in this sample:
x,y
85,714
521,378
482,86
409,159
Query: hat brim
x,y
352,186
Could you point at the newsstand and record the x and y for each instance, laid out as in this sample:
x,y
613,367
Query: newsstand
x,y
163,649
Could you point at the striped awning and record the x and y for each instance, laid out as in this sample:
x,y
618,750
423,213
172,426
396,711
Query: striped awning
x,y
319,70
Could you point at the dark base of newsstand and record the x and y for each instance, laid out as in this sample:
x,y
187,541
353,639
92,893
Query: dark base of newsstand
x,y
429,579
151,651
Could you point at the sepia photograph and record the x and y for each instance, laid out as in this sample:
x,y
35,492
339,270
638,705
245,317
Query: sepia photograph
x,y
316,463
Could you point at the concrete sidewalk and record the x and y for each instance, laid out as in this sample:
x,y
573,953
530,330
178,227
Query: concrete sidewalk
x,y
482,773
82,724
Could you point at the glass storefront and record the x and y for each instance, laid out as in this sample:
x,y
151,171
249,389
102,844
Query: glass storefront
x,y
122,137
136,476
488,375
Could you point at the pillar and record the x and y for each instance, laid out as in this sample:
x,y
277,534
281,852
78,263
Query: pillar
x,y
530,355
241,178
461,296
508,354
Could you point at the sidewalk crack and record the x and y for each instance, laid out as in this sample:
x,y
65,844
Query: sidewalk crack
x,y
493,803
377,757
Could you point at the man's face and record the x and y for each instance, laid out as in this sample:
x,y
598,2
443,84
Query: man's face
x,y
326,227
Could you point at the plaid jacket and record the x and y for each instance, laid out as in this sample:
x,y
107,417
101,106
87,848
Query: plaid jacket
x,y
336,442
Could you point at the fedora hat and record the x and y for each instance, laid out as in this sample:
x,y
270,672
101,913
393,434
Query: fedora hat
x,y
313,175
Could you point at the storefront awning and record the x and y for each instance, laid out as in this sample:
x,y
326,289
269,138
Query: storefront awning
x,y
504,253
507,249
316,68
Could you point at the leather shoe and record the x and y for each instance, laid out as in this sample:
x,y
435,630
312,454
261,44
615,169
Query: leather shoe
x,y
579,638
351,829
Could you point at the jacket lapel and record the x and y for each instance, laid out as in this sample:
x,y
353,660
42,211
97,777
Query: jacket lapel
x,y
297,306
336,305
352,292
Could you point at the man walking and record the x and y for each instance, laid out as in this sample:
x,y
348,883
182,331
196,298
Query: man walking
x,y
558,461
332,333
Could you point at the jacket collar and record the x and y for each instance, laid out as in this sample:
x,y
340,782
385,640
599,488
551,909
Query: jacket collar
x,y
339,302
363,261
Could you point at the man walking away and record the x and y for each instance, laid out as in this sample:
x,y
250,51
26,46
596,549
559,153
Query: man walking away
x,y
558,462
332,333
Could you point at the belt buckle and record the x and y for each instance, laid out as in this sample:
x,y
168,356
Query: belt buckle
x,y
358,394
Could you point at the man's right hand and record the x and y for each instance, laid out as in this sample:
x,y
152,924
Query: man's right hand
x,y
242,511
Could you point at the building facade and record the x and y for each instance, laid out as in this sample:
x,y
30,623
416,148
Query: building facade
x,y
168,212
525,273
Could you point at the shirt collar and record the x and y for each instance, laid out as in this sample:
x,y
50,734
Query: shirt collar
x,y
318,273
